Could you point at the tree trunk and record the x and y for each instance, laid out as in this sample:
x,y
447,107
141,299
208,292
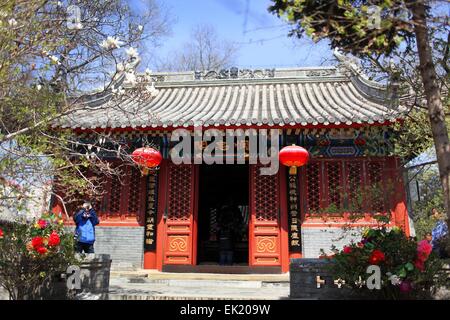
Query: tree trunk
x,y
436,111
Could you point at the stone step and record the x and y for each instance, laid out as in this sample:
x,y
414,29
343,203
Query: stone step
x,y
182,297
210,283
156,275
180,289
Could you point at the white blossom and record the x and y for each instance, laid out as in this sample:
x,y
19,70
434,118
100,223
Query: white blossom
x,y
111,43
12,22
38,87
130,78
120,67
54,59
77,26
132,52
395,280
148,71
152,90
140,28
118,91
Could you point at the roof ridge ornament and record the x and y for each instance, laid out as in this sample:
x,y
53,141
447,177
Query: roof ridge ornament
x,y
234,73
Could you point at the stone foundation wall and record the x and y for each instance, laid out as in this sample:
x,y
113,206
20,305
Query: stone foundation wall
x,y
316,238
125,245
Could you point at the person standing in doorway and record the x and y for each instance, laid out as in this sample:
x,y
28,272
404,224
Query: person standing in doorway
x,y
85,219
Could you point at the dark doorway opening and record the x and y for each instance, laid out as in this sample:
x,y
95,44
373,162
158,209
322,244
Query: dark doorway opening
x,y
223,213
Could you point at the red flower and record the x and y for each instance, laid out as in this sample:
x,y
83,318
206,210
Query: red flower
x,y
54,239
376,257
42,223
41,250
37,242
424,249
419,264
1,234
360,244
347,249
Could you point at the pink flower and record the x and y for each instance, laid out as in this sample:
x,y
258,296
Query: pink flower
x,y
405,286
42,223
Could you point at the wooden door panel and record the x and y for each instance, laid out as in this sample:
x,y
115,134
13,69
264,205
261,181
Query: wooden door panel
x,y
265,243
178,244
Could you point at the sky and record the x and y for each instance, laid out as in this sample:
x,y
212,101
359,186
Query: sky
x,y
261,36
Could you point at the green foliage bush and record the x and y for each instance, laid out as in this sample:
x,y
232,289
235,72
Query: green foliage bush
x,y
33,254
408,270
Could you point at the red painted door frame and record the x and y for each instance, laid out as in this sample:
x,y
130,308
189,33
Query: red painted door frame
x,y
279,229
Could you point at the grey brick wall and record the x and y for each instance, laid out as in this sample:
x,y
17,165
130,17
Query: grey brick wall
x,y
314,239
124,244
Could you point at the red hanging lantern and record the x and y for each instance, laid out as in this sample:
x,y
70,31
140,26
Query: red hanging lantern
x,y
146,158
293,157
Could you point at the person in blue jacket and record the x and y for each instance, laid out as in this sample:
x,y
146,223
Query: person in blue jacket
x,y
439,234
85,219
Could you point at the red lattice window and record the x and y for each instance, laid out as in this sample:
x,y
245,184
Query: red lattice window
x,y
334,185
266,196
375,194
134,190
180,185
354,186
115,193
345,186
313,187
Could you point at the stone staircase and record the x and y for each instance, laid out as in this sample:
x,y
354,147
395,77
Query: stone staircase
x,y
176,286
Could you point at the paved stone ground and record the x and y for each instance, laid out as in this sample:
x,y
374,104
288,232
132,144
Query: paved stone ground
x,y
124,288
144,285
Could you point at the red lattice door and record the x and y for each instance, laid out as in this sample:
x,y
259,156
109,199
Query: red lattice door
x,y
265,242
179,217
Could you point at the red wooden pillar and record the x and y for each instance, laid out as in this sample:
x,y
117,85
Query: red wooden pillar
x,y
284,232
162,200
398,207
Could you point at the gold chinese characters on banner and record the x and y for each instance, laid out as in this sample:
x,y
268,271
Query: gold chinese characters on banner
x,y
295,243
151,212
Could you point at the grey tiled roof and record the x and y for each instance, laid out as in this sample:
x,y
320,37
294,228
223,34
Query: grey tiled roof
x,y
296,97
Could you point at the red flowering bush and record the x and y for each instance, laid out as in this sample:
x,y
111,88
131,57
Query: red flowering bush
x,y
31,254
408,269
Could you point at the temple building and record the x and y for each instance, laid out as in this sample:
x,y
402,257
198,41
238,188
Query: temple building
x,y
170,219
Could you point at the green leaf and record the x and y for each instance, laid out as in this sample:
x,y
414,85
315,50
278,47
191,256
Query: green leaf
x,y
409,266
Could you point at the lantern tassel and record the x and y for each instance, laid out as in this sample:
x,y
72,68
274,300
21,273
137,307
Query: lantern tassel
x,y
293,170
144,171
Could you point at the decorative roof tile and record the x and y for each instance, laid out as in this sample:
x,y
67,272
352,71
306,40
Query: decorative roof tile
x,y
274,97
